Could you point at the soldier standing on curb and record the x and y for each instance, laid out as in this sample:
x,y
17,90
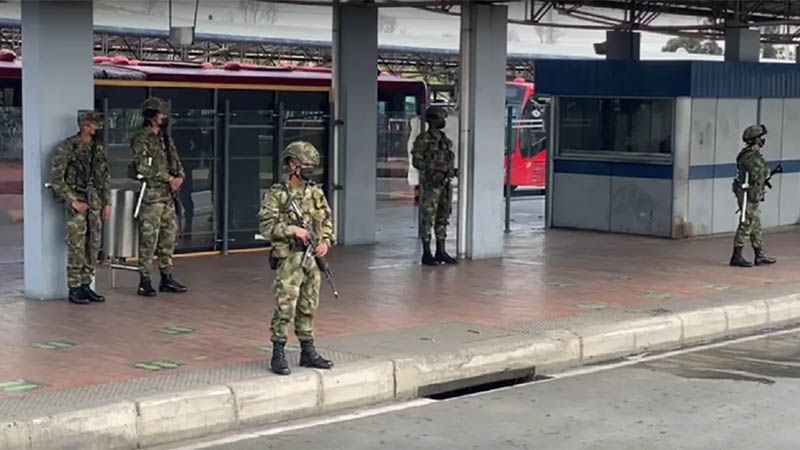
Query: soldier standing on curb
x,y
156,161
752,177
433,157
298,279
80,179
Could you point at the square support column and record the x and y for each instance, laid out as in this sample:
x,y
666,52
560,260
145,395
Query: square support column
x,y
484,31
623,45
355,72
742,45
57,80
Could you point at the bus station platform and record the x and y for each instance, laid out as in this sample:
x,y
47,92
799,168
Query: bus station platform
x,y
58,356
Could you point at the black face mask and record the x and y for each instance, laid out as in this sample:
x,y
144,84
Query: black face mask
x,y
438,124
305,173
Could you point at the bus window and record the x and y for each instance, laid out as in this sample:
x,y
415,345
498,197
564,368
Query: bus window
x,y
531,130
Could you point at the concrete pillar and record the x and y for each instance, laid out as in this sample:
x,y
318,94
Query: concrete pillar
x,y
57,80
483,70
742,45
623,45
355,67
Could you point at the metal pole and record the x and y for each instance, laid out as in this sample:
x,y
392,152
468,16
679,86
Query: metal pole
x,y
465,114
509,150
226,178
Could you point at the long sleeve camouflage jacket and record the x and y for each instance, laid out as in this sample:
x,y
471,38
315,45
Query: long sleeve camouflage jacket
x,y
433,156
751,161
75,165
276,217
152,163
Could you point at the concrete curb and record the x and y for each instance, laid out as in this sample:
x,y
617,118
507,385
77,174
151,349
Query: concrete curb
x,y
199,412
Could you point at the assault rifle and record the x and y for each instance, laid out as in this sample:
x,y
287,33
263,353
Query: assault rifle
x,y
311,247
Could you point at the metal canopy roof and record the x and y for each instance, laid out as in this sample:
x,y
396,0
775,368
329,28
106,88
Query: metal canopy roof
x,y
782,15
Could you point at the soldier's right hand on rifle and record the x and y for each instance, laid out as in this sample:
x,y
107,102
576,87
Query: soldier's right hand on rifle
x,y
81,207
301,233
175,183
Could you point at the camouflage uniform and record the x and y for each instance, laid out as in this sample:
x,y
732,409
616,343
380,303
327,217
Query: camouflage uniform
x,y
158,223
297,285
76,165
433,157
750,161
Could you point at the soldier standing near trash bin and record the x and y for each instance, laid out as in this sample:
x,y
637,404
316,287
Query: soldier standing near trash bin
x,y
433,157
751,180
157,163
80,179
297,282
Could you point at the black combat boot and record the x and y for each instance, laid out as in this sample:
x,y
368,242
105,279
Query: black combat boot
x,y
441,254
310,358
168,284
78,296
427,256
737,260
761,258
145,287
278,362
92,295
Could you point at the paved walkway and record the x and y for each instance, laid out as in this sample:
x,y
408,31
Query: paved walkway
x,y
224,320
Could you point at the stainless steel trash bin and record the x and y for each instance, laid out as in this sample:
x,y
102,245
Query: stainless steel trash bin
x,y
121,233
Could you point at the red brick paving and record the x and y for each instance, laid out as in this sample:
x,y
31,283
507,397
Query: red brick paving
x,y
543,276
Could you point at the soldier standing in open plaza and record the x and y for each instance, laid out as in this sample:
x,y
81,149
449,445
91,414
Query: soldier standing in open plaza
x,y
298,278
751,183
80,179
156,162
433,157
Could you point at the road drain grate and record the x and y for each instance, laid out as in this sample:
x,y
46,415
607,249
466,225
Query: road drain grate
x,y
483,383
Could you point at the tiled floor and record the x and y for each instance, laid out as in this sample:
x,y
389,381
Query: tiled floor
x,y
227,311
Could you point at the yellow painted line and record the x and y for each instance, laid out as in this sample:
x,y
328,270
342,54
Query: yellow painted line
x,y
250,250
192,85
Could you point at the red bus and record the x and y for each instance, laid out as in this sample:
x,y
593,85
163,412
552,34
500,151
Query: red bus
x,y
529,156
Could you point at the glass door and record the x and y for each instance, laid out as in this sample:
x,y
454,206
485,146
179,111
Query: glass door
x,y
249,163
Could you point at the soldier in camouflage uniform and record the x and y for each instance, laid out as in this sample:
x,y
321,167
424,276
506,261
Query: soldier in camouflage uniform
x,y
750,161
80,179
433,157
297,284
156,161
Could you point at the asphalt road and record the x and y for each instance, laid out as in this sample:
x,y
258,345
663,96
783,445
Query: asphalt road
x,y
741,395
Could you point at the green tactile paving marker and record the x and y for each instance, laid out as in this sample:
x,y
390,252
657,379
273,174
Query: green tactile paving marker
x,y
177,331
54,345
492,293
16,386
158,365
658,295
717,287
592,306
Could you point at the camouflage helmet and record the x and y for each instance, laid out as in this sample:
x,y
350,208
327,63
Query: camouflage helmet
x,y
157,104
88,115
304,152
753,132
435,112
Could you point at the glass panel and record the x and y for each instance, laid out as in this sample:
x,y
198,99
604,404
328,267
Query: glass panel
x,y
615,125
124,118
307,120
250,137
192,127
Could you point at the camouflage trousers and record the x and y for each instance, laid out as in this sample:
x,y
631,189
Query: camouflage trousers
x,y
83,245
296,291
158,232
750,228
436,203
